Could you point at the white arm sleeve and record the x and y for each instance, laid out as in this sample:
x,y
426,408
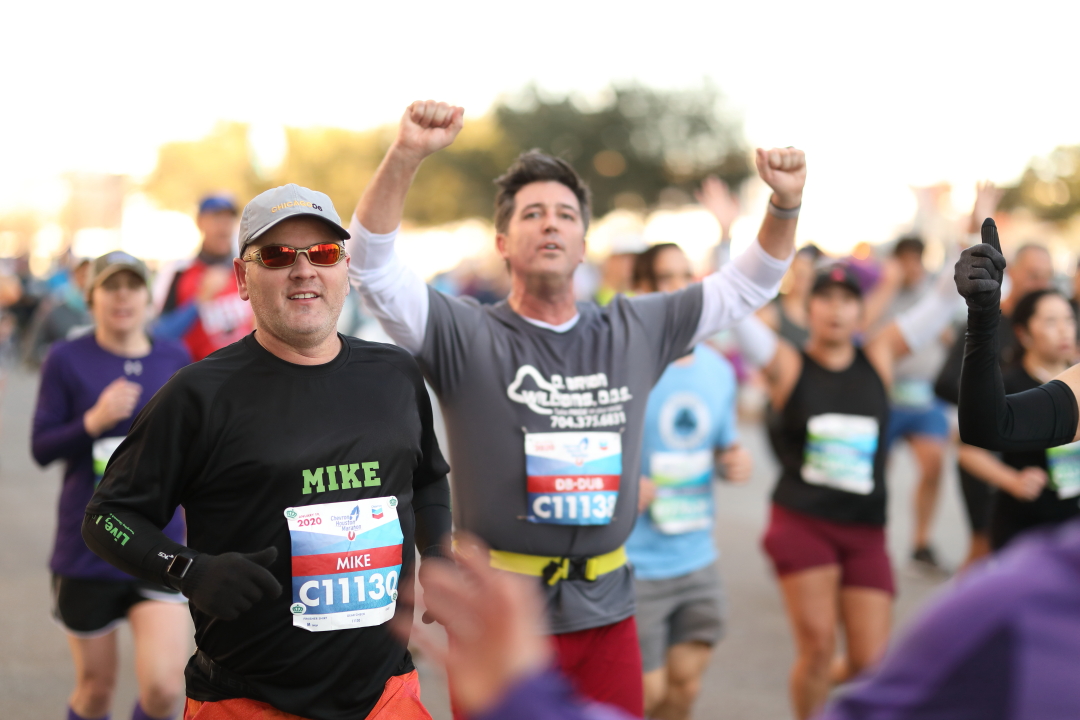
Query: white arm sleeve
x,y
925,320
756,341
739,288
394,294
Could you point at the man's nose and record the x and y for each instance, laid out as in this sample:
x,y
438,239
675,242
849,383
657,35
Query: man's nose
x,y
302,267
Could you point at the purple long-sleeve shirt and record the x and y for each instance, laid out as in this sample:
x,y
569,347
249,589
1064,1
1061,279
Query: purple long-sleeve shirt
x,y
72,378
1004,644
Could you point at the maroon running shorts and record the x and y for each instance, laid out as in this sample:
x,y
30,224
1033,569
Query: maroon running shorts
x,y
602,664
797,542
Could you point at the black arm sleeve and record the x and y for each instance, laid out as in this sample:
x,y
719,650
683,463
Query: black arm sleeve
x,y
431,489
144,483
132,543
1033,420
431,504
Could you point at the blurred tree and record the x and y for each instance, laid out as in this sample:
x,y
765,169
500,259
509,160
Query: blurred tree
x,y
638,144
638,149
1050,186
188,170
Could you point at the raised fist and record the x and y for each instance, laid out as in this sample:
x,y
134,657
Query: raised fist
x,y
428,126
783,170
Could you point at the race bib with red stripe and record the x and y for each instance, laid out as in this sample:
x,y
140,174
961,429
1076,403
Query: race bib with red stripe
x,y
346,563
573,477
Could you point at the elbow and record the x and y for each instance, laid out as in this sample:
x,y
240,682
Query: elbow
x,y
971,434
39,451
89,527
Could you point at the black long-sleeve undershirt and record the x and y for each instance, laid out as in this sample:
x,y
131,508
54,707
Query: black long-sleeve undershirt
x,y
1033,420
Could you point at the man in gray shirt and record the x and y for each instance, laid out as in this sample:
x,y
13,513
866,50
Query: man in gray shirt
x,y
544,397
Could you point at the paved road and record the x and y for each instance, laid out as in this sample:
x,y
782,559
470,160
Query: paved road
x,y
747,679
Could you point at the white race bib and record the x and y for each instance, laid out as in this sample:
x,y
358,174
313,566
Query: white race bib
x,y
102,451
912,393
572,478
684,500
346,563
1064,464
840,452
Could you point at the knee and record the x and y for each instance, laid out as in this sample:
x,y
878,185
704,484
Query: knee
x,y
859,661
816,648
94,690
655,687
159,697
683,691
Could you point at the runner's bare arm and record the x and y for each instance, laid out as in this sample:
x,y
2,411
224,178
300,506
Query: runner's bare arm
x,y
426,127
393,292
752,279
914,328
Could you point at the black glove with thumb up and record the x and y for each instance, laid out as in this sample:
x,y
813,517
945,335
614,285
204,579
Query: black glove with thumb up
x,y
226,585
980,270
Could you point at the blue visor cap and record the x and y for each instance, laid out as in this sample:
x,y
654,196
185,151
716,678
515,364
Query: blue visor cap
x,y
217,203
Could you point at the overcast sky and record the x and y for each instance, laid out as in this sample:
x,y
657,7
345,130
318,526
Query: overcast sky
x,y
880,96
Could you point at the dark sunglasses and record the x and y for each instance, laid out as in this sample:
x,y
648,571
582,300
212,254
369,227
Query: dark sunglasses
x,y
283,256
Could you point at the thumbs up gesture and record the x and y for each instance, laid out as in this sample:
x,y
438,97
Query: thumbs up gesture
x,y
980,269
427,127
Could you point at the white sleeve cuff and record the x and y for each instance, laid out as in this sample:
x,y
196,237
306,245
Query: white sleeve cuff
x,y
761,268
738,289
392,292
369,250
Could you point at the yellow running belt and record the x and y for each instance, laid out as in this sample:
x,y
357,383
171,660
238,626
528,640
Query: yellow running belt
x,y
537,565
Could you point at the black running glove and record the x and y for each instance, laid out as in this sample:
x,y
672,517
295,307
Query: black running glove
x,y
228,584
979,271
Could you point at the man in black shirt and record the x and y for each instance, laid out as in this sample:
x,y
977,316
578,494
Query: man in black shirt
x,y
304,460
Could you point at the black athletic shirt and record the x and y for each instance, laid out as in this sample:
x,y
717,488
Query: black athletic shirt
x,y
1010,516
831,441
240,437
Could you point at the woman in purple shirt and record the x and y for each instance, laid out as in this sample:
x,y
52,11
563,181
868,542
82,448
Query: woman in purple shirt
x,y
91,389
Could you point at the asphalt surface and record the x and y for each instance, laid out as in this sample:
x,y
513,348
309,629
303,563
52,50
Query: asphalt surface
x,y
747,678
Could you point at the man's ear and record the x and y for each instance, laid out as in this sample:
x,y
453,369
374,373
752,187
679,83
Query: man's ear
x,y
240,270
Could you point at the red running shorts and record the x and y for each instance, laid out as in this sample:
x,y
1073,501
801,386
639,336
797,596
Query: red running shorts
x,y
796,542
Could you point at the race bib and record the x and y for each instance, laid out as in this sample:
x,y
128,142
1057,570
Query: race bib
x,y
101,451
572,477
912,393
840,452
1064,464
684,500
346,563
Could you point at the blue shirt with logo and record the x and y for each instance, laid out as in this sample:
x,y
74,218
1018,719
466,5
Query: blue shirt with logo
x,y
691,412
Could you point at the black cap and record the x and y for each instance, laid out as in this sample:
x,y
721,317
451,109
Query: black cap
x,y
838,274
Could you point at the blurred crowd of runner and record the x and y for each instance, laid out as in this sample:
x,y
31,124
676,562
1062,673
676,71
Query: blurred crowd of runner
x,y
854,355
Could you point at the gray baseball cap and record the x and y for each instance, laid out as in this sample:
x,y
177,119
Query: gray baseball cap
x,y
111,263
281,203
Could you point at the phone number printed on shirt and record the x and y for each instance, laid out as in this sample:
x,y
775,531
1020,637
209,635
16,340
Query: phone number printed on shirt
x,y
346,563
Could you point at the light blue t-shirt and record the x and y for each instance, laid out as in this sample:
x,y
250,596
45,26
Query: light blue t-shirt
x,y
691,412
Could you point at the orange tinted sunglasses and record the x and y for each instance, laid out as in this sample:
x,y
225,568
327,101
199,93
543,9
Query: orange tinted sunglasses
x,y
283,256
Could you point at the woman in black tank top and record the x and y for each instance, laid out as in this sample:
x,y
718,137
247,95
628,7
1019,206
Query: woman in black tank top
x,y
826,535
1038,487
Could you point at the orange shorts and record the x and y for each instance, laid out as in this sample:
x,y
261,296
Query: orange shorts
x,y
400,700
